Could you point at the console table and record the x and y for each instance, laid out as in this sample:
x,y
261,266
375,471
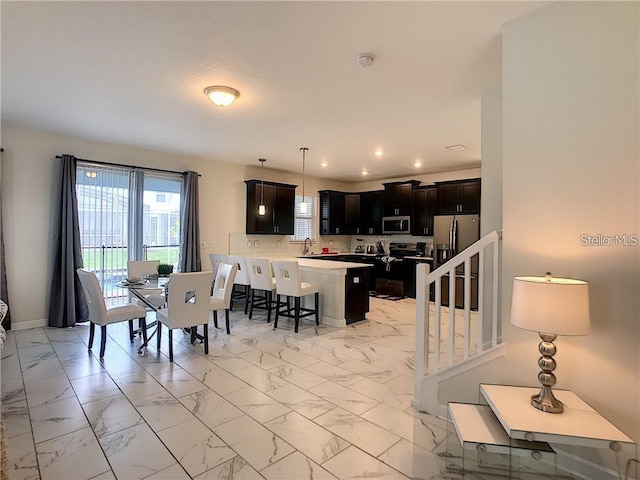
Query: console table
x,y
510,437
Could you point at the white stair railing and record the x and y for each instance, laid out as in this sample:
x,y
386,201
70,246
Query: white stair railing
x,y
452,338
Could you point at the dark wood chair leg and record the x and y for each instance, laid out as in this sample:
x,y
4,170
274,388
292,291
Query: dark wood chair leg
x,y
253,295
171,345
215,318
297,314
269,295
143,327
233,290
192,333
92,331
103,340
275,321
227,321
131,330
246,298
158,335
206,338
317,295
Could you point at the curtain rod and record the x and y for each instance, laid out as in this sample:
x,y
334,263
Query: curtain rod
x,y
126,166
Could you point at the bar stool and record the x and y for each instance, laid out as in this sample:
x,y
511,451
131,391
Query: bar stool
x,y
261,280
221,295
288,283
242,280
216,260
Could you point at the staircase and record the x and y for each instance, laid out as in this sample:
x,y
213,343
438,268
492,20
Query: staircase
x,y
450,341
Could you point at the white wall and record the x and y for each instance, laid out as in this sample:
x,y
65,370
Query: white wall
x,y
28,192
491,131
571,167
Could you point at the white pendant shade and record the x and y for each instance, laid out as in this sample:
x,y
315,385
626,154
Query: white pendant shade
x,y
304,207
262,210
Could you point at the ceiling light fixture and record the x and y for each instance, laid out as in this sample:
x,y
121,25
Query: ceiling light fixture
x,y
365,59
262,210
364,172
457,148
323,164
378,153
221,96
417,164
303,204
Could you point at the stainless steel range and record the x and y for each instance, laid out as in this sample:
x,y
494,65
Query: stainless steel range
x,y
392,269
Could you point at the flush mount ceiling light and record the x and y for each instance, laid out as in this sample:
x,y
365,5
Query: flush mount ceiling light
x,y
456,148
221,96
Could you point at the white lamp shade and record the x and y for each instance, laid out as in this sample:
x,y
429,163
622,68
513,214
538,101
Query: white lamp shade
x,y
262,210
304,207
557,306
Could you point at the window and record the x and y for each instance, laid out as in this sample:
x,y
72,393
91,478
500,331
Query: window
x,y
306,224
121,218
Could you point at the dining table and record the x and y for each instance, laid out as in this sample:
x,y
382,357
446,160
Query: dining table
x,y
140,289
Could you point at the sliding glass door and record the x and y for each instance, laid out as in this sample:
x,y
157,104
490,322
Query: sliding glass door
x,y
126,214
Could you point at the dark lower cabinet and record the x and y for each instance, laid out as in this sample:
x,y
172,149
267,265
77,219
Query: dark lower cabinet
x,y
459,300
356,294
410,280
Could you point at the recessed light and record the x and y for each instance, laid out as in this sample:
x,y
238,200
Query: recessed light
x,y
378,153
364,172
456,148
417,163
323,164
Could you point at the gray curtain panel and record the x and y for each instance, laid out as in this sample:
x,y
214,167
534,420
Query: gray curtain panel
x,y
67,305
4,292
190,233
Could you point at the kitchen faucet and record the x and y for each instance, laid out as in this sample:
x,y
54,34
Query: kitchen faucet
x,y
305,250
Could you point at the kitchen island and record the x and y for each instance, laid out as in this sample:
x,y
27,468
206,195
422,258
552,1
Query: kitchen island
x,y
344,293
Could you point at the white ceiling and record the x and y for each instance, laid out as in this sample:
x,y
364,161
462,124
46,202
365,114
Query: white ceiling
x,y
133,73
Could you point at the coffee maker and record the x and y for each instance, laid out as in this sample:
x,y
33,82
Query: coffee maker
x,y
359,246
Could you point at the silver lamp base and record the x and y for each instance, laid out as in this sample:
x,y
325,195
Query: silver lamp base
x,y
545,400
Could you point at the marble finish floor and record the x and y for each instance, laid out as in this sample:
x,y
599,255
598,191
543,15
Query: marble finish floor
x,y
324,403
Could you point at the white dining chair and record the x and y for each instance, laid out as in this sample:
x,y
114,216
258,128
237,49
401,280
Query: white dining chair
x,y
100,314
242,281
187,306
222,290
216,259
289,284
262,280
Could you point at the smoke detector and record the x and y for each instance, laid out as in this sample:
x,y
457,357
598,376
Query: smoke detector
x,y
365,59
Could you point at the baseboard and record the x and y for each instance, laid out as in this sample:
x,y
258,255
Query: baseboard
x,y
39,322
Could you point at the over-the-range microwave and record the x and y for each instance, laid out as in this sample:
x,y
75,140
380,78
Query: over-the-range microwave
x,y
396,224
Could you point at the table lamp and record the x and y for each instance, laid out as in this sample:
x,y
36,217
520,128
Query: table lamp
x,y
551,307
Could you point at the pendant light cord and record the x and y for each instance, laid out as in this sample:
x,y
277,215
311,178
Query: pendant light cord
x,y
304,158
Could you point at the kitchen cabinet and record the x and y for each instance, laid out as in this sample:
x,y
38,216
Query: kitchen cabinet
x,y
279,201
332,212
410,279
371,211
461,196
398,199
425,203
352,214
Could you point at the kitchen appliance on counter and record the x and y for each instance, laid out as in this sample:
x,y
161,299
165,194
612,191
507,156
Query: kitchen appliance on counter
x,y
379,248
371,249
451,235
359,246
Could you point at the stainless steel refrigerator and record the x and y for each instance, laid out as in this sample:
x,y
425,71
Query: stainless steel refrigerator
x,y
451,235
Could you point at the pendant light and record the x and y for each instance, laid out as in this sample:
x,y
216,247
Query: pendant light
x,y
262,210
303,205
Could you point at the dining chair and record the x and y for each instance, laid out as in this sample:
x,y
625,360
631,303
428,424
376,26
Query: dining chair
x,y
242,280
262,280
216,259
289,284
222,289
100,314
187,306
147,268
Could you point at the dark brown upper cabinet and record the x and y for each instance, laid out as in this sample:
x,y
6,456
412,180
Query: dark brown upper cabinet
x,y
459,197
279,200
